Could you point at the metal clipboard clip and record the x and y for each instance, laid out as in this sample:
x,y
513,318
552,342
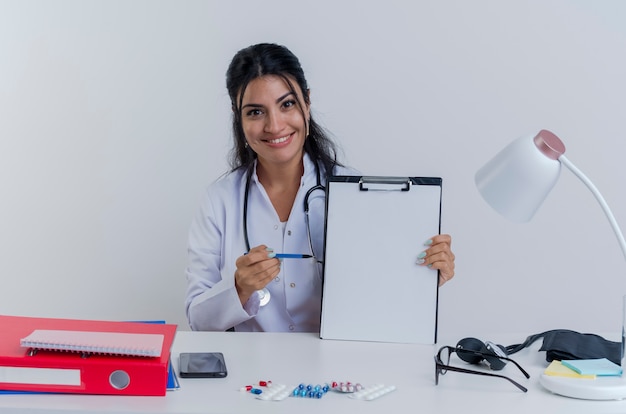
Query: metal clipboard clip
x,y
384,184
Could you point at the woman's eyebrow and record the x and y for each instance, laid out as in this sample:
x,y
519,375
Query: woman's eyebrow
x,y
280,99
284,96
252,105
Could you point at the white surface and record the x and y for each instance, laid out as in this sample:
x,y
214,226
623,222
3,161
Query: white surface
x,y
114,116
303,358
48,376
360,297
602,388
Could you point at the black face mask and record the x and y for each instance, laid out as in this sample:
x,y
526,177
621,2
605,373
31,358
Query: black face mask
x,y
562,344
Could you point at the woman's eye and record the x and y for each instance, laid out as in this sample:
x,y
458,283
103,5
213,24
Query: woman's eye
x,y
254,113
289,104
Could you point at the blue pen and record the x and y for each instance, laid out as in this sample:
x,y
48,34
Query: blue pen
x,y
292,256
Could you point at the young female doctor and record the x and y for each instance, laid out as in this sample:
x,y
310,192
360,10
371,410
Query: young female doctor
x,y
280,161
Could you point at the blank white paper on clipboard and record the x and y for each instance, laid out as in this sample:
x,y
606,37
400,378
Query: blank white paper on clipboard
x,y
375,229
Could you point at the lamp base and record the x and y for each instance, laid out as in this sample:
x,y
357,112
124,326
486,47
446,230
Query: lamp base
x,y
601,388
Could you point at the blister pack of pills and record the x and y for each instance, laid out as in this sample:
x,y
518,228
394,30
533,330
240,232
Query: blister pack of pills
x,y
345,387
277,392
373,392
310,391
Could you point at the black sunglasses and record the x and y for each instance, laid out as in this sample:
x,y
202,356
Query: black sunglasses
x,y
446,351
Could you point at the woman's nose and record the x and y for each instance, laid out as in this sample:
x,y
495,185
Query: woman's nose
x,y
274,122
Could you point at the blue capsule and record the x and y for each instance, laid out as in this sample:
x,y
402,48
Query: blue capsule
x,y
256,391
310,391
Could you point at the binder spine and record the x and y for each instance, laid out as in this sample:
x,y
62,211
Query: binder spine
x,y
112,378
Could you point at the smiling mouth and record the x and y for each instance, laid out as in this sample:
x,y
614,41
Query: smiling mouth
x,y
278,140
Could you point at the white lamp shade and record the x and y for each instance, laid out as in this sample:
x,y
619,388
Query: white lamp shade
x,y
517,180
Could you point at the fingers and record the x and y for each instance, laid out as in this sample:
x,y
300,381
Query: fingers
x,y
439,256
254,271
441,238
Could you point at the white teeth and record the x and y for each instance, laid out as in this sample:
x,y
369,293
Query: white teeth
x,y
279,140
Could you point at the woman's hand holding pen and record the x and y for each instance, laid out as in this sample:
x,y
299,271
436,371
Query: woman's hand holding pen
x,y
439,256
255,270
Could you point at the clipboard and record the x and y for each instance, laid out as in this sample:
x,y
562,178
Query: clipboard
x,y
375,228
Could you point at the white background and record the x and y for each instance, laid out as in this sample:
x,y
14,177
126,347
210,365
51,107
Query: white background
x,y
114,117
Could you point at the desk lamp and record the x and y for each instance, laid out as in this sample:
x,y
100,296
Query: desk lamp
x,y
515,183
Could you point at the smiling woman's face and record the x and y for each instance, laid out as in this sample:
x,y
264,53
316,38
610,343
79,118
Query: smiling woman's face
x,y
272,120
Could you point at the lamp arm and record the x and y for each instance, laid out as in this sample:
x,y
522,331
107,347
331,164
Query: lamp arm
x,y
618,233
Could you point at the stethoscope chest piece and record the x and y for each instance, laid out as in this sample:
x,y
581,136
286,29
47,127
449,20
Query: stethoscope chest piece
x,y
264,296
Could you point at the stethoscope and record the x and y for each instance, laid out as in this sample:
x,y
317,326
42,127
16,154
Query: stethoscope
x,y
264,294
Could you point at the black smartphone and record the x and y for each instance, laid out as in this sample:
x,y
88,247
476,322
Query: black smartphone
x,y
202,365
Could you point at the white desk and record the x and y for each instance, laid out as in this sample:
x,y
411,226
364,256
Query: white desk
x,y
303,358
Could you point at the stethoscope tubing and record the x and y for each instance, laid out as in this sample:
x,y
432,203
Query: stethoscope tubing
x,y
317,186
